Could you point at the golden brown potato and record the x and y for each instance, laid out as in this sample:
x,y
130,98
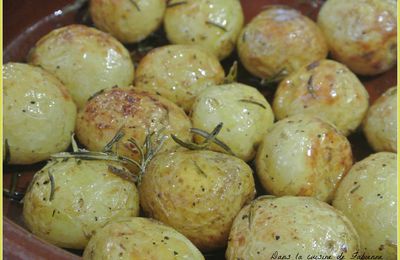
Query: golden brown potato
x,y
136,113
361,34
303,156
39,114
140,239
290,228
278,41
179,73
85,196
198,193
326,89
86,60
242,109
368,197
380,124
211,24
127,20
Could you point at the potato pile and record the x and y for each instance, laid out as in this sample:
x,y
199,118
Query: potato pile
x,y
177,157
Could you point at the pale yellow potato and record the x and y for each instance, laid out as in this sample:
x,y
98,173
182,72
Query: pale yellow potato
x,y
368,197
198,193
137,114
86,60
39,114
361,33
279,41
297,226
86,196
326,89
127,20
242,109
212,24
380,124
139,239
179,73
303,156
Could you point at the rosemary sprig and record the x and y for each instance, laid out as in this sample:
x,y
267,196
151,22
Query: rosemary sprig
x,y
52,186
7,152
170,5
108,155
232,74
11,193
117,137
209,138
199,170
216,25
252,102
275,78
310,87
136,5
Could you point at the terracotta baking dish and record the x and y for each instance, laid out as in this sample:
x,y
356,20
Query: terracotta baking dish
x,y
26,21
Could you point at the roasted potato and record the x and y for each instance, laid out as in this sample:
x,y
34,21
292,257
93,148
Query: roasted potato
x,y
326,89
368,197
211,24
136,113
127,20
86,60
279,41
380,124
244,112
39,114
140,239
303,156
361,34
289,228
68,200
198,193
179,73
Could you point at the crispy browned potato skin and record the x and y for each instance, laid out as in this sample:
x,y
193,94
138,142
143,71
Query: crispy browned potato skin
x,y
326,89
380,124
361,33
278,41
198,193
179,73
128,21
84,59
290,226
368,197
137,113
141,239
39,114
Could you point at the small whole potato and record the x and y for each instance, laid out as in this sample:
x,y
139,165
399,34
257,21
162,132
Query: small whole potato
x,y
39,114
279,41
244,112
303,156
86,60
361,33
127,20
179,73
137,114
368,197
326,89
291,228
380,124
68,200
139,238
212,24
198,193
